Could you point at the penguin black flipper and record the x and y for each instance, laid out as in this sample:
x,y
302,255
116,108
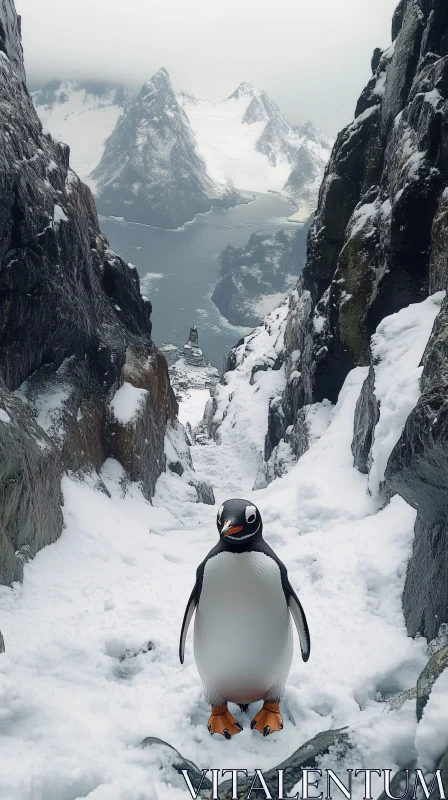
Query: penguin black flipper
x,y
191,607
299,618
292,600
189,611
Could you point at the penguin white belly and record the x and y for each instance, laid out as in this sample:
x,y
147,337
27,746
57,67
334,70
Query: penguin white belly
x,y
243,642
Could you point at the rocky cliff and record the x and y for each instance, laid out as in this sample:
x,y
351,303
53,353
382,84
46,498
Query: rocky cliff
x,y
75,332
151,171
255,278
379,243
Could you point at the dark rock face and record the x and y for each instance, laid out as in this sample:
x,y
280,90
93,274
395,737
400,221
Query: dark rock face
x,y
379,237
267,265
2,643
151,171
366,418
418,471
73,327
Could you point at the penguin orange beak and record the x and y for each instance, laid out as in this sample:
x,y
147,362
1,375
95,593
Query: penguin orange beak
x,y
232,530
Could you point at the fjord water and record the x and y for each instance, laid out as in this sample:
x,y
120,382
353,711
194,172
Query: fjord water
x,y
179,269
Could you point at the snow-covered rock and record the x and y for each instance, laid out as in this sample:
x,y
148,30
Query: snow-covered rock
x,y
82,114
397,348
247,139
151,170
74,328
254,279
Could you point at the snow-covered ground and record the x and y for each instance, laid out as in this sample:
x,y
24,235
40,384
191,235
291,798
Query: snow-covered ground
x,y
91,665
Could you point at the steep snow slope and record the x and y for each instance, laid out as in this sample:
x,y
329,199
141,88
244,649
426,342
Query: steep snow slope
x,y
92,665
83,115
151,171
246,138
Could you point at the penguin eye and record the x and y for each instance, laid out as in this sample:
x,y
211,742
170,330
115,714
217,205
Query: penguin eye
x,y
251,514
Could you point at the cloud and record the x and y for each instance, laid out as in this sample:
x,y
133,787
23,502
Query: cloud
x,y
312,58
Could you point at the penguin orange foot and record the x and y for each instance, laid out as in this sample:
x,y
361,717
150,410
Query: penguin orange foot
x,y
268,719
223,722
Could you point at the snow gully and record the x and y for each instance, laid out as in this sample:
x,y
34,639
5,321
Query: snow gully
x,y
431,785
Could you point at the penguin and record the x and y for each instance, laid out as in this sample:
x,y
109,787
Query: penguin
x,y
243,641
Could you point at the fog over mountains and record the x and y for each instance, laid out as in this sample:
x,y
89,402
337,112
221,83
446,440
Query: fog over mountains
x,y
161,158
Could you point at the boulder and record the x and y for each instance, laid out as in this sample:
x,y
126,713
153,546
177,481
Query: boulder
x,y
307,756
170,762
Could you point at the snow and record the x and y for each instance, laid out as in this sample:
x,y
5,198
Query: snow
x,y
59,215
267,303
397,350
363,216
4,416
127,402
431,739
301,215
229,144
47,406
319,323
80,686
84,122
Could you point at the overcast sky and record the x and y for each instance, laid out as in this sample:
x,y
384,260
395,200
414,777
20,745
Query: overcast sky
x,y
311,56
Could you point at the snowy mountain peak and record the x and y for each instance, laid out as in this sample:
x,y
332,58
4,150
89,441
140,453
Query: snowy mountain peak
x,y
247,139
151,171
160,81
245,89
309,131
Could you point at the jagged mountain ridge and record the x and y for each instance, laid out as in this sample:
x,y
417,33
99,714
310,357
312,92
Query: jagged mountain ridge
x,y
261,150
75,333
151,171
247,138
82,114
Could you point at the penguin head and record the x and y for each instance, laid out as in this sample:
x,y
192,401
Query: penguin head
x,y
238,521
